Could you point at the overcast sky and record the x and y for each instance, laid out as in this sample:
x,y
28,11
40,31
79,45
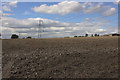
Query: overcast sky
x,y
60,19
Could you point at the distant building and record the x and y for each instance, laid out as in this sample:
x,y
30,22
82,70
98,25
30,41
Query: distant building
x,y
107,35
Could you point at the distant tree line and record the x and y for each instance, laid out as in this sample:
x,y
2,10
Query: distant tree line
x,y
15,36
86,35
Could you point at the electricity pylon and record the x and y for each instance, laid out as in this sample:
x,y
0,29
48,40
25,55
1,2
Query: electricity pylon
x,y
40,28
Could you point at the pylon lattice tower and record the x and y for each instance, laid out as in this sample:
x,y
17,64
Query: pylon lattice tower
x,y
40,28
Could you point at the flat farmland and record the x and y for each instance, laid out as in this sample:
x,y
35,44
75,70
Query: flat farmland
x,y
84,57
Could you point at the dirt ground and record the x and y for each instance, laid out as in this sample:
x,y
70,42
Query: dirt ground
x,y
85,57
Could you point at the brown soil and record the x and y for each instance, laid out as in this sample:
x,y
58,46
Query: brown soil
x,y
94,57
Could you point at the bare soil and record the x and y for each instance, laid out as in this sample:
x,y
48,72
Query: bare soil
x,y
85,57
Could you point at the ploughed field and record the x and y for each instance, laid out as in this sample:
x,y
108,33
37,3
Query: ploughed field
x,y
85,57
